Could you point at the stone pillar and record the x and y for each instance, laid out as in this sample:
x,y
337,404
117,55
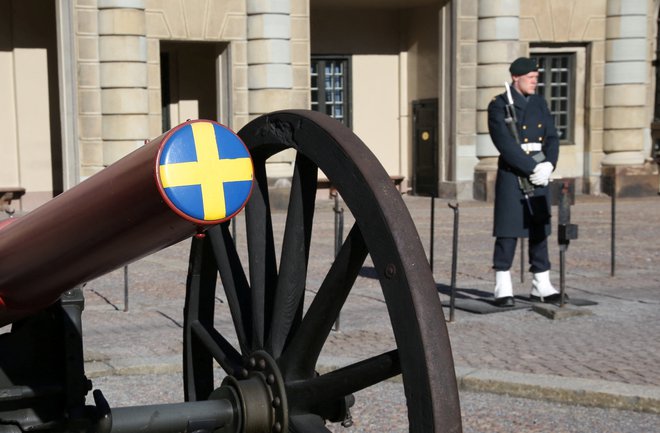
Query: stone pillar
x,y
270,73
89,91
68,81
270,76
123,77
300,54
498,45
625,118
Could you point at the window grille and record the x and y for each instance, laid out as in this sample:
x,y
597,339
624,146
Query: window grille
x,y
330,87
556,78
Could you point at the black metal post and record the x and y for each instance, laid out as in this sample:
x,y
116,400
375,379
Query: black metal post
x,y
562,276
454,256
339,237
566,232
126,288
339,226
613,233
522,260
564,212
431,247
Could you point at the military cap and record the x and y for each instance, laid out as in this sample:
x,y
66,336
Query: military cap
x,y
523,66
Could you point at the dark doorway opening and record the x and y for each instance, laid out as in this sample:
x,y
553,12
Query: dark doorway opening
x,y
425,147
190,77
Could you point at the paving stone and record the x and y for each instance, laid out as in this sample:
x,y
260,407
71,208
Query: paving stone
x,y
615,346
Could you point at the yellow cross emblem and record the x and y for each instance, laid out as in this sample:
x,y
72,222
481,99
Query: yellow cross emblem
x,y
210,171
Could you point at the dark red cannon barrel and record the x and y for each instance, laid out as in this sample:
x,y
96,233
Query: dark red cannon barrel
x,y
195,175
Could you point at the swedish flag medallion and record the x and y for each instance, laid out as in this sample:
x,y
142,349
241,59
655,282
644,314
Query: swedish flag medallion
x,y
205,172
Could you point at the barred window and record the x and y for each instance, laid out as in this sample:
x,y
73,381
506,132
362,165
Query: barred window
x,y
330,87
556,85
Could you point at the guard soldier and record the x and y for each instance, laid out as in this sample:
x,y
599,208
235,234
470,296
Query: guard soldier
x,y
522,129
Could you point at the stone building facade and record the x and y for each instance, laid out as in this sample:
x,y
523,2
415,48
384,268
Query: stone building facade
x,y
87,81
91,80
612,45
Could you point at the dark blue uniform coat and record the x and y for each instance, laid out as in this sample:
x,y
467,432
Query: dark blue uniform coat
x,y
535,125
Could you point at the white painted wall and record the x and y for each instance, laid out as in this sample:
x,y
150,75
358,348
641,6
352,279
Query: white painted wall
x,y
376,107
25,120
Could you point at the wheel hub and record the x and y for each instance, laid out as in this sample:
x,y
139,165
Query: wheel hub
x,y
262,397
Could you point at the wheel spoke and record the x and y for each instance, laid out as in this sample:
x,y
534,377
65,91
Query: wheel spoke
x,y
221,350
263,266
308,423
202,277
299,359
234,282
287,309
273,319
310,393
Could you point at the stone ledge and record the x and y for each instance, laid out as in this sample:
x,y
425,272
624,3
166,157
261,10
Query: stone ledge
x,y
567,390
560,389
630,180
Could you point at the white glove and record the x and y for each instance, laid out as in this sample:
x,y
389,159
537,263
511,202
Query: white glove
x,y
541,174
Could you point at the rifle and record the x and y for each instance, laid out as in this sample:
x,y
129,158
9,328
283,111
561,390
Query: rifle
x,y
511,121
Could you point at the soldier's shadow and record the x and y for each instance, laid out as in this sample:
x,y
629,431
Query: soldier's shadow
x,y
462,292
467,299
475,300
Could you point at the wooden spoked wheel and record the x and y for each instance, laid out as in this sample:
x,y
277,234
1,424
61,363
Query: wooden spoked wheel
x,y
272,367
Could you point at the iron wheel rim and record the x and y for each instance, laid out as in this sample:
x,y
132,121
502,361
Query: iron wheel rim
x,y
267,312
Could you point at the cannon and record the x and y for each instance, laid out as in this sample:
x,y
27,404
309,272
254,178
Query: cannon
x,y
271,383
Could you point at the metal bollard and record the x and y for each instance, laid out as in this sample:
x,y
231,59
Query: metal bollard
x,y
339,224
522,260
454,256
339,236
566,232
613,229
432,247
125,288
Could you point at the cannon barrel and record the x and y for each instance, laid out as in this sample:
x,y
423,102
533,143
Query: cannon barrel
x,y
196,175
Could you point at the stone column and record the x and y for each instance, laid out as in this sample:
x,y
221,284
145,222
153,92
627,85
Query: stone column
x,y
498,45
86,50
68,81
270,76
625,82
626,121
123,77
270,73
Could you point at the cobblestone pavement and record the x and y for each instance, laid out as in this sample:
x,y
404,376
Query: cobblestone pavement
x,y
614,352
381,409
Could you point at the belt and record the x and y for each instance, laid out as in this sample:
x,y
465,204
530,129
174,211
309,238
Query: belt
x,y
531,147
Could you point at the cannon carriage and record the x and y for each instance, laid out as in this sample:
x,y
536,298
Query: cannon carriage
x,y
272,383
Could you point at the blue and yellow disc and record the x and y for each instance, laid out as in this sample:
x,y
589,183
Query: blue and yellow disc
x,y
205,172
